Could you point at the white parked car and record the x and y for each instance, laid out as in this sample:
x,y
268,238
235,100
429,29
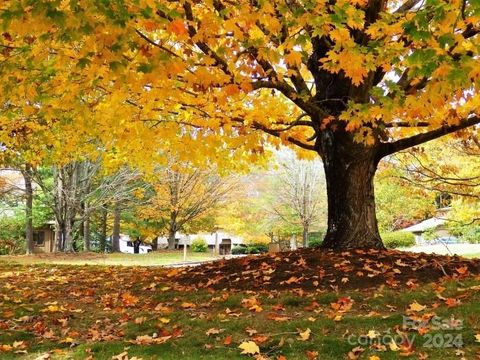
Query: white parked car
x,y
127,246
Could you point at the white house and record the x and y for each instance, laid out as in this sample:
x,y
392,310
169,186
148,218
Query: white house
x,y
435,224
127,246
223,240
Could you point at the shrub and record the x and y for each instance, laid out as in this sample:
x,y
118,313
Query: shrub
x,y
257,248
12,235
315,242
199,245
468,233
239,250
396,239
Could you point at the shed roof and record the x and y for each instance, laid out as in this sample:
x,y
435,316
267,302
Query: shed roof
x,y
425,225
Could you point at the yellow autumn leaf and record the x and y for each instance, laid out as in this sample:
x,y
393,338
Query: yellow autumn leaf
x,y
338,318
415,306
393,346
164,320
67,340
305,335
249,348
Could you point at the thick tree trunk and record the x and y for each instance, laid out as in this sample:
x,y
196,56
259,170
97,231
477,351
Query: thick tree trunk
x,y
28,209
103,226
58,236
155,243
171,238
116,229
69,246
58,199
305,236
81,227
349,170
136,246
172,231
86,231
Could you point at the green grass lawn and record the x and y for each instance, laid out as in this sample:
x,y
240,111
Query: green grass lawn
x,y
73,312
151,259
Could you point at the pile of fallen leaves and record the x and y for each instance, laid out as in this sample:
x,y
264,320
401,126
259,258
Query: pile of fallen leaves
x,y
311,269
64,309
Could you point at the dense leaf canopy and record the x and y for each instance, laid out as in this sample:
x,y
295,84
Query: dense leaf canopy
x,y
130,76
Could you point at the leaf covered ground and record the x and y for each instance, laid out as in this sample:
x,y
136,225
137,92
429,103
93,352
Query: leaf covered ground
x,y
299,305
156,258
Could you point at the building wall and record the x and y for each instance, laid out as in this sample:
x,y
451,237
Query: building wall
x,y
48,240
208,237
438,233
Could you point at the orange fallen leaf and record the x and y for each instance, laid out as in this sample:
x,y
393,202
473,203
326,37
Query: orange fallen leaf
x,y
292,280
278,317
187,305
129,299
451,302
260,339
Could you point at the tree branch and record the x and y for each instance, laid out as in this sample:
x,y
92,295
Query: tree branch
x,y
277,133
407,124
406,6
221,63
402,144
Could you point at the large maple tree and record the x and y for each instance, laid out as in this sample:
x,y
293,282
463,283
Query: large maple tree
x,y
353,81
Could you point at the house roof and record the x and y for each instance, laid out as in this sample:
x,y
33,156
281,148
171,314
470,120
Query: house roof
x,y
425,225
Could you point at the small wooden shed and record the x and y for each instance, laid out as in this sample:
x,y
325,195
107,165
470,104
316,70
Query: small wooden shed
x,y
44,238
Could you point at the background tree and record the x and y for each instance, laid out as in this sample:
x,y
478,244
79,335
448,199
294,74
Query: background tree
x,y
399,203
75,190
184,197
248,213
27,179
353,81
258,213
21,210
299,193
448,171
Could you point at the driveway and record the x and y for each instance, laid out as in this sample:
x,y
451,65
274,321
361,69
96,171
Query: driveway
x,y
441,249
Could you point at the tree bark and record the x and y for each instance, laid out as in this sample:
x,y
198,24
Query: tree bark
x,y
172,231
103,226
305,236
86,230
59,236
171,238
349,170
69,246
58,198
28,209
155,243
116,229
136,246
